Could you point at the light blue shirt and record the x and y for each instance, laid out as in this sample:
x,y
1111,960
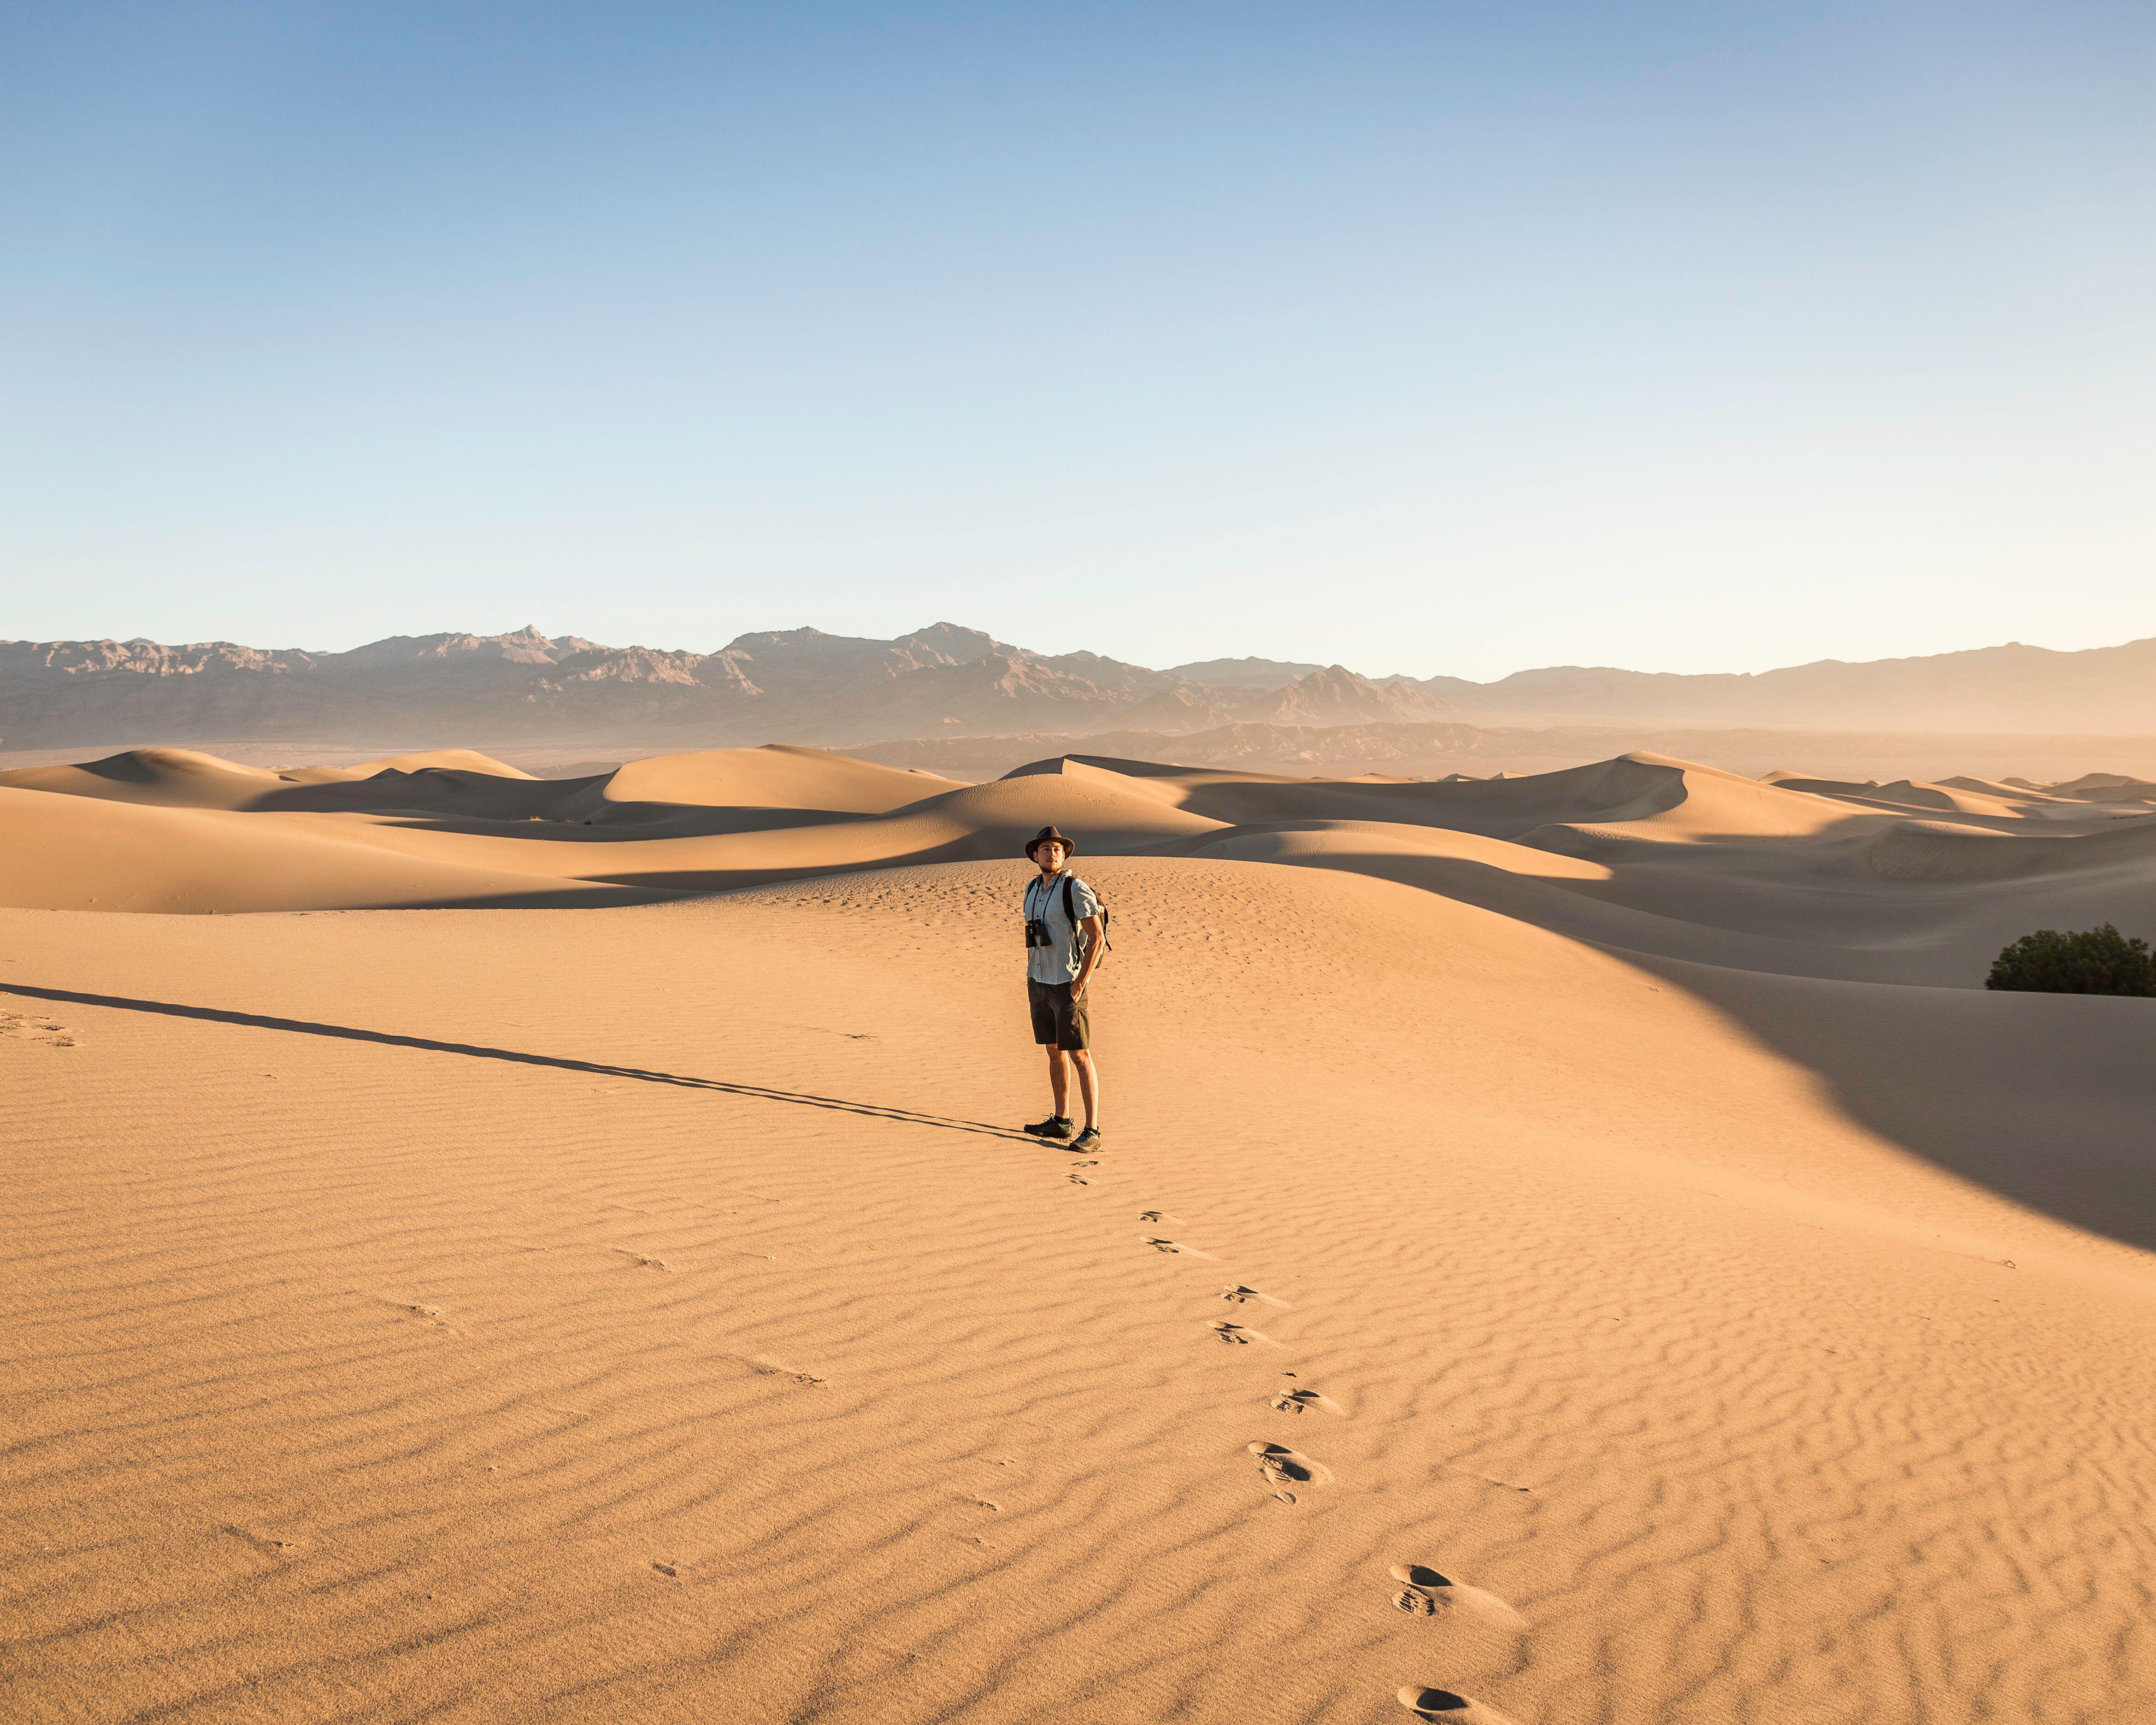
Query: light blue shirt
x,y
1058,961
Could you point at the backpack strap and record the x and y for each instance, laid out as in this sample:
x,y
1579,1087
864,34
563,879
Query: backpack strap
x,y
1069,907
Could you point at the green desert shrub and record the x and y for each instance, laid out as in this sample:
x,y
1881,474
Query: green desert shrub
x,y
2095,961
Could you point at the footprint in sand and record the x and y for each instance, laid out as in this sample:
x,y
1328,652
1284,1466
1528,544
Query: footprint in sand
x,y
271,1543
1292,1400
1452,1708
1285,1469
1432,1703
1241,1336
1425,1592
1176,1246
641,1260
1162,1216
1238,1295
773,1369
34,1029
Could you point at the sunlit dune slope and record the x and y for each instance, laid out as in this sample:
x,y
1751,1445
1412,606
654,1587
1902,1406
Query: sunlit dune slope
x,y
68,853
777,776
175,778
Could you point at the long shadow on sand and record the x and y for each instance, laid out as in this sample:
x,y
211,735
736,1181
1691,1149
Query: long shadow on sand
x,y
471,1050
2049,1100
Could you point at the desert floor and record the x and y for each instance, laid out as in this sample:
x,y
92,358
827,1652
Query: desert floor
x,y
1571,1248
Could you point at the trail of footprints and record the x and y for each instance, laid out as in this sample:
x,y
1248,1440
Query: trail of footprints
x,y
1287,1473
36,1028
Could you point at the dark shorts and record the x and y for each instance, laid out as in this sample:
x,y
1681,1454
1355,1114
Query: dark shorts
x,y
1058,1017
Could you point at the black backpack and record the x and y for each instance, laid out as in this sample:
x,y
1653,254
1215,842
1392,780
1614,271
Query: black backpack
x,y
1070,910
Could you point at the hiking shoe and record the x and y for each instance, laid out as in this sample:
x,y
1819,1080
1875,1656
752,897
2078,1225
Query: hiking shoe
x,y
1087,1140
1056,1126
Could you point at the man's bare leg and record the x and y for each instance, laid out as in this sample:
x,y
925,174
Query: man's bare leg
x,y
1088,1086
1059,1080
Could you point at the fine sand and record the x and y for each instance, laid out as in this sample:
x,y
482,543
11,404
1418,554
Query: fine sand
x,y
1574,1248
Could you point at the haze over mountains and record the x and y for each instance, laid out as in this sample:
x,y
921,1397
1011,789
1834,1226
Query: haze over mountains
x,y
945,681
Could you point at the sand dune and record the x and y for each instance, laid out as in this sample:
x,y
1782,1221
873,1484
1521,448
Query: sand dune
x,y
1579,1249
429,760
777,776
1934,850
2106,788
753,787
187,778
2012,797
1639,795
1629,787
175,778
71,853
1668,858
1959,795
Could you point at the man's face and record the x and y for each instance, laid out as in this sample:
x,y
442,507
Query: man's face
x,y
1050,856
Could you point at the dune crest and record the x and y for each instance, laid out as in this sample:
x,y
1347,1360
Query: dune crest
x,y
427,761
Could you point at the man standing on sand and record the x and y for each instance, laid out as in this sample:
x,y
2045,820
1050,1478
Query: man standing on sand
x,y
1064,934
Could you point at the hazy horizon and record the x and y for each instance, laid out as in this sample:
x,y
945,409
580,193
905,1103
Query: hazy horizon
x,y
720,646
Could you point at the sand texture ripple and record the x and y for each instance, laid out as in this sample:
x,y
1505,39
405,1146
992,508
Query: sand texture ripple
x,y
1577,1251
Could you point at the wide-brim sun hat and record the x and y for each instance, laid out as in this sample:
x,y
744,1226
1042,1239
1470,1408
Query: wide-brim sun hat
x,y
1049,835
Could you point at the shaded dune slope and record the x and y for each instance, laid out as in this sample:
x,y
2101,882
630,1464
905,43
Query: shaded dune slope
x,y
1931,851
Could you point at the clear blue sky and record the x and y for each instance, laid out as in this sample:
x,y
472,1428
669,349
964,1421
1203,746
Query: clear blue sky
x,y
1426,337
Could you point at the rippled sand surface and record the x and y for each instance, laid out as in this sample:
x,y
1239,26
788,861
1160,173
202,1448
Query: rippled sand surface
x,y
1573,1249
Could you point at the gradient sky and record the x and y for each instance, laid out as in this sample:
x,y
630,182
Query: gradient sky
x,y
1425,337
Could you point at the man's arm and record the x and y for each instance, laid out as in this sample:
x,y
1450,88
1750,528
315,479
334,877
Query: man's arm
x,y
1097,936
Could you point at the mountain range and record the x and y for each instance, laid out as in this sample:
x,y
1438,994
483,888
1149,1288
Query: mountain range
x,y
806,686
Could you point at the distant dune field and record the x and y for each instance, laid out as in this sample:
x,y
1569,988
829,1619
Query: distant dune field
x,y
1579,1248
